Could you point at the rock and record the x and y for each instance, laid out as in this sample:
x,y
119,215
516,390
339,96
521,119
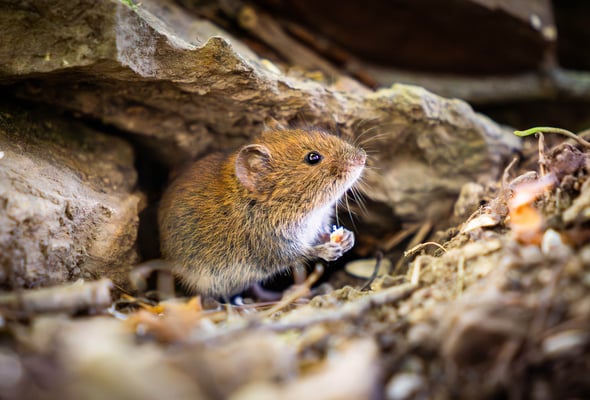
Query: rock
x,y
465,36
151,70
405,386
223,368
98,358
365,268
185,87
351,373
68,205
432,147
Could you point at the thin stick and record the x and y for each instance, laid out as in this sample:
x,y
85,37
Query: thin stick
x,y
379,258
400,237
299,291
506,173
421,246
419,237
542,158
65,298
415,278
350,311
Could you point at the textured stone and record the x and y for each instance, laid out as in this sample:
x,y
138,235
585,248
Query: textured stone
x,y
432,146
68,206
185,87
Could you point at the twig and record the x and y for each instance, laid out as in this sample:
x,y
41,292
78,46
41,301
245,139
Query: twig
x,y
353,310
297,292
69,298
269,31
555,83
349,311
379,259
542,158
140,273
421,246
506,173
419,237
415,277
400,236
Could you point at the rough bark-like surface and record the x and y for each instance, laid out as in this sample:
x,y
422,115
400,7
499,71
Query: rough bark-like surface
x,y
185,87
463,36
68,206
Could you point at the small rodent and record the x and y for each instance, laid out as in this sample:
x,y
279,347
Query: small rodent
x,y
233,219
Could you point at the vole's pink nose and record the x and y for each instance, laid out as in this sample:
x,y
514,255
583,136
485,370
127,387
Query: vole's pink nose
x,y
359,158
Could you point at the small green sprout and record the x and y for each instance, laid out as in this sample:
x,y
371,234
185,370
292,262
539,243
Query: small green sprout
x,y
548,129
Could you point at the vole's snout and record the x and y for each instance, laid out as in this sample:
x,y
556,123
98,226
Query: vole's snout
x,y
359,158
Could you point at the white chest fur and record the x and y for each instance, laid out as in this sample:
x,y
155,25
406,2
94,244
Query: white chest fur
x,y
317,222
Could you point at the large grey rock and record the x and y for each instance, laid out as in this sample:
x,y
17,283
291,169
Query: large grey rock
x,y
185,87
68,205
432,147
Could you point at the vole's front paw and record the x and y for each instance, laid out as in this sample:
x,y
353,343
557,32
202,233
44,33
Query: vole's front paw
x,y
347,241
331,251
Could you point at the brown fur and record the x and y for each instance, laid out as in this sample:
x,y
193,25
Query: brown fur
x,y
231,220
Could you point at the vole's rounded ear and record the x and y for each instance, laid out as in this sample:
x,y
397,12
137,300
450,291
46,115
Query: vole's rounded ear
x,y
252,162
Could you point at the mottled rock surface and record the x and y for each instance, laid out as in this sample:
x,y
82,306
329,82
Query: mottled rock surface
x,y
432,147
185,87
68,202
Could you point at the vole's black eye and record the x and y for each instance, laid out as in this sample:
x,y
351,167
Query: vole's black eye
x,y
313,157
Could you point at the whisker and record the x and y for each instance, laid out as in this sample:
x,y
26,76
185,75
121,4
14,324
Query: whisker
x,y
362,187
373,168
349,212
378,126
374,138
359,201
359,125
364,133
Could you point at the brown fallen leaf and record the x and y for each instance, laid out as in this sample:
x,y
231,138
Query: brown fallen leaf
x,y
527,223
169,321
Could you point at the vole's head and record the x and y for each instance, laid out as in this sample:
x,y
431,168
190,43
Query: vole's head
x,y
306,169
